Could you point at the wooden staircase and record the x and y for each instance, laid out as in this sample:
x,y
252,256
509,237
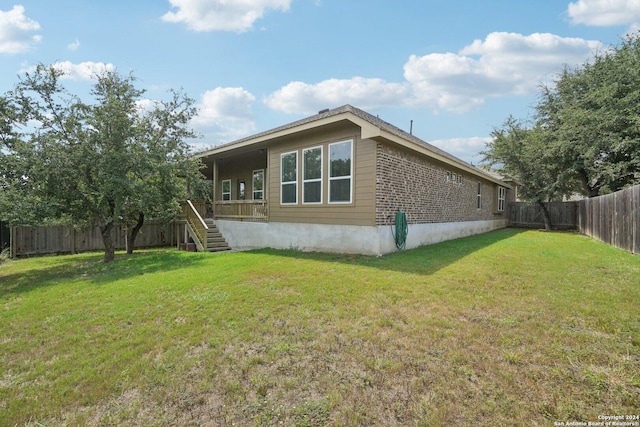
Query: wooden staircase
x,y
215,240
203,231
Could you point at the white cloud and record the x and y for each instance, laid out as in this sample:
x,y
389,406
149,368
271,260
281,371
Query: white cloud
x,y
633,29
82,71
221,15
299,97
225,114
15,31
604,12
74,46
503,64
146,105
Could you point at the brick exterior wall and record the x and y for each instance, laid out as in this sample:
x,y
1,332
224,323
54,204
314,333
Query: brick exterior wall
x,y
419,187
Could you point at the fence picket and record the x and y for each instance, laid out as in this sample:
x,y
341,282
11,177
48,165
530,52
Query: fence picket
x,y
613,218
43,240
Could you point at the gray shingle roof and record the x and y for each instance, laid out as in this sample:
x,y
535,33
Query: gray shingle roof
x,y
374,120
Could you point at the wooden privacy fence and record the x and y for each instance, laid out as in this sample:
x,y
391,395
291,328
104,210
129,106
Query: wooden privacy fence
x,y
613,218
563,215
43,240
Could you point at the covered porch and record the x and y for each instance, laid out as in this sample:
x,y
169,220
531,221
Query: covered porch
x,y
238,184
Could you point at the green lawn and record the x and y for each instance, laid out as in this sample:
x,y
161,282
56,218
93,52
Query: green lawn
x,y
507,328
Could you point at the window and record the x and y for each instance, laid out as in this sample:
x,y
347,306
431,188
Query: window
x,y
258,185
242,185
289,178
479,197
501,197
456,178
340,172
312,175
226,189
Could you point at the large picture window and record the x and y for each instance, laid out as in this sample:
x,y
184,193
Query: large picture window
x,y
312,175
289,178
258,185
340,172
226,189
501,198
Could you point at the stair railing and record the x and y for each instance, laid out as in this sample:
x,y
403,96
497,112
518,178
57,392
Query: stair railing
x,y
196,225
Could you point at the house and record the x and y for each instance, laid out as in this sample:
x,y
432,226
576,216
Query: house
x,y
335,181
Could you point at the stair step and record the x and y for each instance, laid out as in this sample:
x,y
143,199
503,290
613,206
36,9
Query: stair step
x,y
216,244
215,241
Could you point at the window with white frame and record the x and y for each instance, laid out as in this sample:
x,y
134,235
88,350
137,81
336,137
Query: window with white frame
x,y
340,172
226,189
258,184
502,192
479,197
312,175
455,178
289,178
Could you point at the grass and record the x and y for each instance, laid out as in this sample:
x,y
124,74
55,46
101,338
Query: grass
x,y
505,328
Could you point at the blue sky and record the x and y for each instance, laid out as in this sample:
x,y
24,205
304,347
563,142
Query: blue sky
x,y
458,69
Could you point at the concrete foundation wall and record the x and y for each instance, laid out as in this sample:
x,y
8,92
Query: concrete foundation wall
x,y
368,240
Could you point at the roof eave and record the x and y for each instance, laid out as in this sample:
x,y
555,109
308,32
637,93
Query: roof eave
x,y
368,131
436,156
284,132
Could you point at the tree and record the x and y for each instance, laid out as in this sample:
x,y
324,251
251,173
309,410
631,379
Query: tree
x,y
593,115
585,137
525,152
17,202
105,163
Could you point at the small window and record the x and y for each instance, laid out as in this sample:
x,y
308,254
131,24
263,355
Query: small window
x,y
340,172
501,198
312,175
448,176
479,197
459,179
258,185
289,178
226,189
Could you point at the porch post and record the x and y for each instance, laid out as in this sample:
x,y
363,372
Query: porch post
x,y
215,181
265,183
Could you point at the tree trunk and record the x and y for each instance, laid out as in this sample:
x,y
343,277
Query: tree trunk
x,y
109,245
545,215
591,190
134,233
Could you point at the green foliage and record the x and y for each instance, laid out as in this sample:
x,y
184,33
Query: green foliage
x,y
524,153
101,163
587,129
593,114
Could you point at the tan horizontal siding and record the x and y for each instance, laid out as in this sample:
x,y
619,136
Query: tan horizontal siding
x,y
240,168
362,209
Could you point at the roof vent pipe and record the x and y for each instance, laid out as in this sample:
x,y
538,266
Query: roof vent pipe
x,y
411,128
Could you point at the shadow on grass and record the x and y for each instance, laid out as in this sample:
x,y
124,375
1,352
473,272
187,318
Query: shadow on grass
x,y
90,267
424,260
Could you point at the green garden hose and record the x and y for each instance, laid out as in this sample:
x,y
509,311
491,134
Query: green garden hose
x,y
401,230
